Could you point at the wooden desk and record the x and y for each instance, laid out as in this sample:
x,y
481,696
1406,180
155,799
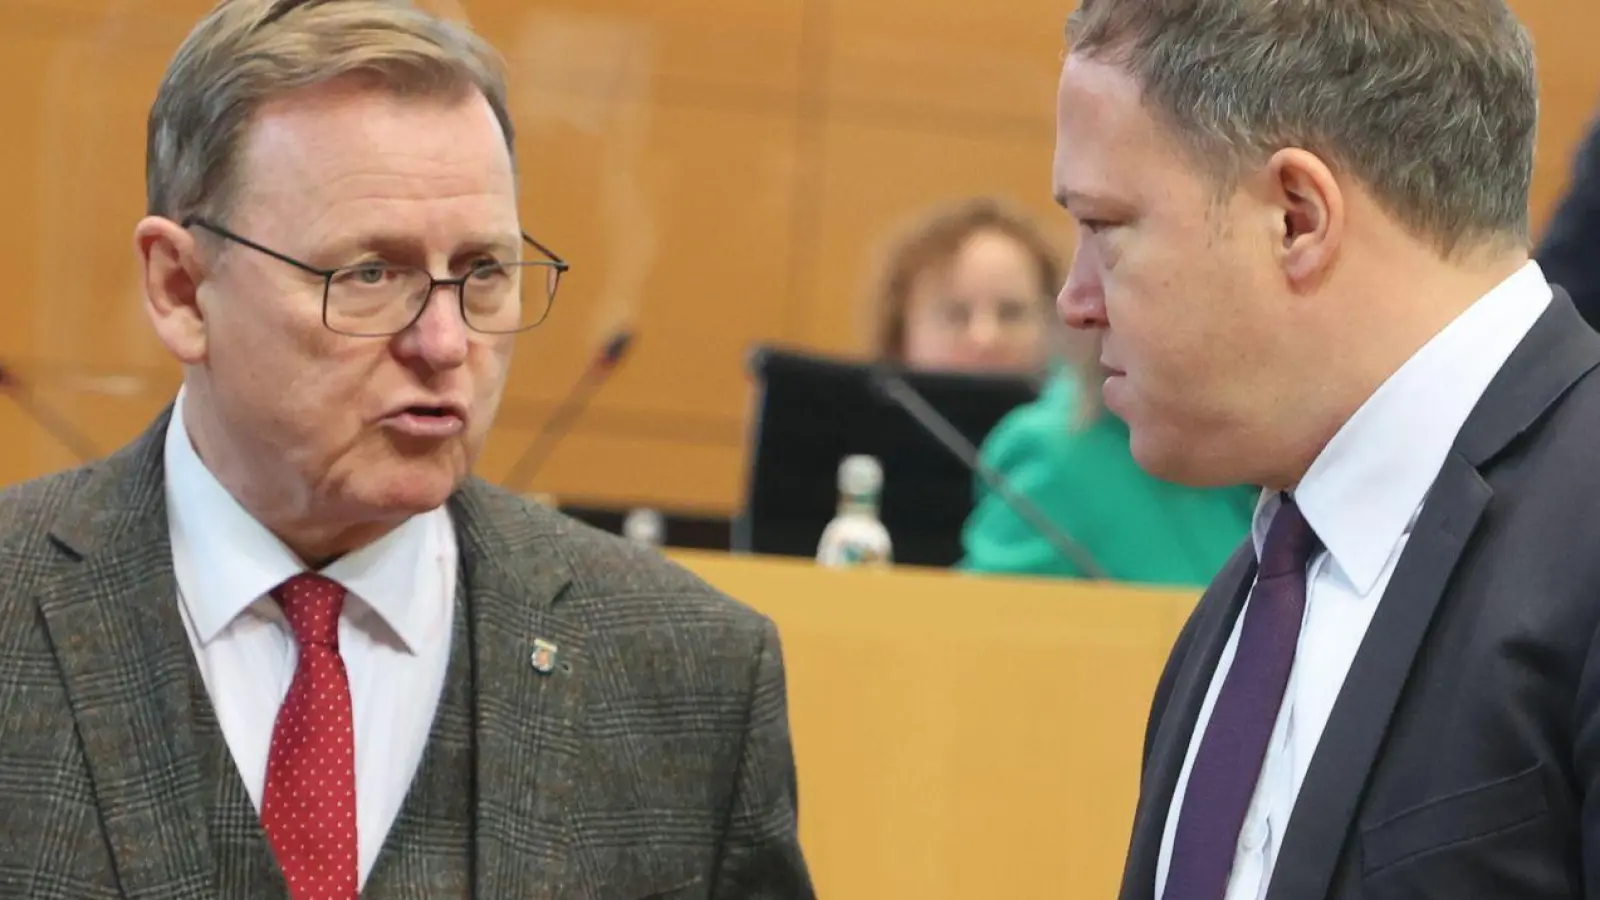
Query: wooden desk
x,y
961,736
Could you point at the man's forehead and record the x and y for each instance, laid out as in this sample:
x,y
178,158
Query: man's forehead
x,y
328,155
1099,95
1102,128
318,127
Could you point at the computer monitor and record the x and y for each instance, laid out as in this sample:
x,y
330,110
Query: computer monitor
x,y
812,411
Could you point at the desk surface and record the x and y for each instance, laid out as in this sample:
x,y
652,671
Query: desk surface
x,y
961,735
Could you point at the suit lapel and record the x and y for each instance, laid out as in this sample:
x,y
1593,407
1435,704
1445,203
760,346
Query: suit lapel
x,y
112,615
1214,618
1337,776
525,720
1559,350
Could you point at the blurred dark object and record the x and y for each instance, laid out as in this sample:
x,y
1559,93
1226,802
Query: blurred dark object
x,y
689,532
813,411
1569,252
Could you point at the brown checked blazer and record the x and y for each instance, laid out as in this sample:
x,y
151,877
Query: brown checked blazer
x,y
652,760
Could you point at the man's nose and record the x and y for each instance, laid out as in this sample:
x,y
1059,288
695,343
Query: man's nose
x,y
1082,301
440,335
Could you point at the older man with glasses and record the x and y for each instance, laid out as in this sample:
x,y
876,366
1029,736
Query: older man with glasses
x,y
283,644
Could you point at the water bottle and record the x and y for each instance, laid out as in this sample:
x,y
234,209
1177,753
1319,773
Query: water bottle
x,y
856,537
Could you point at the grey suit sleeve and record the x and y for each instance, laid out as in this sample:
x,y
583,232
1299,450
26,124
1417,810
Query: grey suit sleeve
x,y
760,856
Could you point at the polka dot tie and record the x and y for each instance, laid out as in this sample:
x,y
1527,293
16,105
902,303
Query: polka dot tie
x,y
309,805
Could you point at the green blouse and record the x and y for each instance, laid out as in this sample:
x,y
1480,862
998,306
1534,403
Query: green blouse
x,y
1138,528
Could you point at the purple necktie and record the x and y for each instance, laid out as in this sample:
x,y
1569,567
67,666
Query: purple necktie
x,y
1228,763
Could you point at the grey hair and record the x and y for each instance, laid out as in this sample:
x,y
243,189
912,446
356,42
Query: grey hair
x,y
1431,104
244,53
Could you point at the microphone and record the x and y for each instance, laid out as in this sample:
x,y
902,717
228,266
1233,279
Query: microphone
x,y
572,405
899,391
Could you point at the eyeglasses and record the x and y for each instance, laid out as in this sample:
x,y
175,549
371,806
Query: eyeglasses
x,y
375,299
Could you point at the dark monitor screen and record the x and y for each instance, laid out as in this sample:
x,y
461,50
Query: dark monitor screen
x,y
813,411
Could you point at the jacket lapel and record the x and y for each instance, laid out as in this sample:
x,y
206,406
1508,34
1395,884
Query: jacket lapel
x,y
1169,744
1336,779
1559,350
112,614
529,667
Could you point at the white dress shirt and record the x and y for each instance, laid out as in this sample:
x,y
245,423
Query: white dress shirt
x,y
394,633
1362,496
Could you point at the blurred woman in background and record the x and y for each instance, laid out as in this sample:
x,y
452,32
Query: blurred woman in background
x,y
972,289
960,293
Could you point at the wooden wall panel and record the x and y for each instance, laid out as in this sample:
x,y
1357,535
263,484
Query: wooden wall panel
x,y
751,49
718,173
878,177
973,60
68,247
1569,87
676,220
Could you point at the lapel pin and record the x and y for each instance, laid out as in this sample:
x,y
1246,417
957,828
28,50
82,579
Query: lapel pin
x,y
544,656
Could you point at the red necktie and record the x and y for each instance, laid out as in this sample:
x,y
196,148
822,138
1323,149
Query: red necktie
x,y
309,805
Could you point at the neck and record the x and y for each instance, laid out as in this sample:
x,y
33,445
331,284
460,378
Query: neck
x,y
1380,314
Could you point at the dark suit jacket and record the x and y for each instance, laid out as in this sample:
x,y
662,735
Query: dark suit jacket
x,y
654,760
1461,760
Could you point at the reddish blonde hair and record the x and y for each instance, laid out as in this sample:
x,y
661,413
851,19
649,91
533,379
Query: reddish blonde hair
x,y
932,241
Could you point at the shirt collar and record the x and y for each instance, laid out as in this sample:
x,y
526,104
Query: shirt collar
x,y
1365,489
225,560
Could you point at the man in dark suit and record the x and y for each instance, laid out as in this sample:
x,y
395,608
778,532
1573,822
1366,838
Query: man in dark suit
x,y
283,645
1305,243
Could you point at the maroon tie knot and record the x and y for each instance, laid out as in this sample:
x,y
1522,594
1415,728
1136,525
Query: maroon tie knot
x,y
312,604
1290,543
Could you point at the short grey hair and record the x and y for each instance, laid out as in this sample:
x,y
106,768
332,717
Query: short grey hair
x,y
244,53
1431,104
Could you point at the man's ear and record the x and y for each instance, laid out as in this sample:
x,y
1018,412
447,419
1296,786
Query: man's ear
x,y
172,273
1310,208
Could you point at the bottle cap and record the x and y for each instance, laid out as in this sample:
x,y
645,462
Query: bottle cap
x,y
645,526
860,476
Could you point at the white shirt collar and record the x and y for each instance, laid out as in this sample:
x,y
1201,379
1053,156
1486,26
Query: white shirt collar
x,y
1364,490
230,560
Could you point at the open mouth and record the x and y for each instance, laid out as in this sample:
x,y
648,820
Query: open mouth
x,y
427,421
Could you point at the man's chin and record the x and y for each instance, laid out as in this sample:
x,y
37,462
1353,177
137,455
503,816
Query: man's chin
x,y
1177,459
410,489
1159,452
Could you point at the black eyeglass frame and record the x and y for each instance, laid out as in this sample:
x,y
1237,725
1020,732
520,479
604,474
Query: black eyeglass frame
x,y
552,261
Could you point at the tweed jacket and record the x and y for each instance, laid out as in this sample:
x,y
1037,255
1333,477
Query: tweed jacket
x,y
652,759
